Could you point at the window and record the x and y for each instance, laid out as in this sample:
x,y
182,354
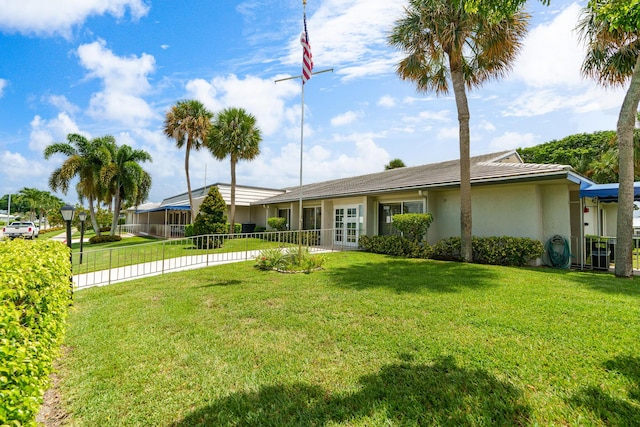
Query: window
x,y
386,212
311,218
285,213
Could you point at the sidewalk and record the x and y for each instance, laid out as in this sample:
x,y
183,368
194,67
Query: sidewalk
x,y
155,268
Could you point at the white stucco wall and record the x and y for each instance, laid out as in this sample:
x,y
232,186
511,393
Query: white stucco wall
x,y
525,210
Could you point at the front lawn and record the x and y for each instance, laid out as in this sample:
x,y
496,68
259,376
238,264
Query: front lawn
x,y
369,341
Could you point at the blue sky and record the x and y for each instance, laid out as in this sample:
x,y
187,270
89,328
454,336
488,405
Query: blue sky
x,y
114,67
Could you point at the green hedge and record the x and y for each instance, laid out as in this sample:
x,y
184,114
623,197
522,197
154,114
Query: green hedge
x,y
106,238
35,296
504,250
394,245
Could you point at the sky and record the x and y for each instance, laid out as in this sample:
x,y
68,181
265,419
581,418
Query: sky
x,y
115,67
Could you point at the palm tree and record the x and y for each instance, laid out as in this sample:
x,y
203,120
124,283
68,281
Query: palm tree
x,y
612,33
125,179
449,46
84,160
188,123
234,134
49,203
32,198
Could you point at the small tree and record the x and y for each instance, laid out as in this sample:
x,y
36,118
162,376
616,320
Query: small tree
x,y
413,225
212,218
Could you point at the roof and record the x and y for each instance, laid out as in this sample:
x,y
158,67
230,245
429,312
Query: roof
x,y
505,166
607,192
245,194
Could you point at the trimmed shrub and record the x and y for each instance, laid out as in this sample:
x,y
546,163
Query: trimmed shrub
x,y
34,297
394,245
516,251
413,226
104,239
277,223
211,219
259,229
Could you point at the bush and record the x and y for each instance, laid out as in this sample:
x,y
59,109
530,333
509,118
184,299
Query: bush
x,y
104,239
413,226
290,260
34,298
259,229
277,223
394,245
516,251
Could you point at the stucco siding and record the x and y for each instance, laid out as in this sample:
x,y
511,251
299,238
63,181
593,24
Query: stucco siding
x,y
556,212
528,210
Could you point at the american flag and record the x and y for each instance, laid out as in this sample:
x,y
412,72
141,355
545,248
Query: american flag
x,y
307,59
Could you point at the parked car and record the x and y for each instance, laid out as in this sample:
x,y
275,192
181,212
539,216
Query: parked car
x,y
24,229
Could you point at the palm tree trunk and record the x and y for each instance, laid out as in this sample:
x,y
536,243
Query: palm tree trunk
x,y
116,211
186,171
626,123
233,195
92,214
462,106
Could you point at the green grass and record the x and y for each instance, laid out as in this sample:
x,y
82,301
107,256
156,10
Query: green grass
x,y
369,341
137,250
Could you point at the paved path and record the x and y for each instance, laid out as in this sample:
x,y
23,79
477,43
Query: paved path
x,y
148,269
154,268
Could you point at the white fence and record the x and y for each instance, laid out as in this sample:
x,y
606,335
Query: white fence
x,y
106,266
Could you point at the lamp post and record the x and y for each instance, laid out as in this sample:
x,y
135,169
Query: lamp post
x,y
67,212
82,216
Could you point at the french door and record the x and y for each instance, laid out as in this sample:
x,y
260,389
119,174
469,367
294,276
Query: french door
x,y
345,224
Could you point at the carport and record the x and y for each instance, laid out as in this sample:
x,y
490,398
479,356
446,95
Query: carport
x,y
597,194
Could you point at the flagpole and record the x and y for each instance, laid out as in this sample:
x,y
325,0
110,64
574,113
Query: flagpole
x,y
307,72
302,82
300,218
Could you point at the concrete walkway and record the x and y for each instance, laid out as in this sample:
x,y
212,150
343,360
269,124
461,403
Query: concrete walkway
x,y
155,268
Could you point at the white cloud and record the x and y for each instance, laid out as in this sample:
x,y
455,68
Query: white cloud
x,y
62,103
386,101
46,132
20,170
429,116
511,140
552,54
164,46
260,97
124,80
486,125
60,16
539,102
3,85
346,118
449,133
365,24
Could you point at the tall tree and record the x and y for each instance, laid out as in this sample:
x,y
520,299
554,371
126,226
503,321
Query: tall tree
x,y
451,44
85,158
612,32
188,122
125,179
32,197
234,134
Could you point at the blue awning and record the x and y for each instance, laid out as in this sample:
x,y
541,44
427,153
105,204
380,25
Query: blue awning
x,y
607,192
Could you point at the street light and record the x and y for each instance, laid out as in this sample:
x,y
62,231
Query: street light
x,y
67,212
82,216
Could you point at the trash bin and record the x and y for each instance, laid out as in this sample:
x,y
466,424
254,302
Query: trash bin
x,y
600,259
248,227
